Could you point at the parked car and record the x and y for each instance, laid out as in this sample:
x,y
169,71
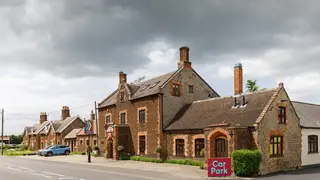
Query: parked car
x,y
40,150
56,150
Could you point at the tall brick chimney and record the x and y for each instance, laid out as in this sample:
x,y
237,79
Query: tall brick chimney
x,y
92,115
238,79
184,58
122,77
43,117
65,112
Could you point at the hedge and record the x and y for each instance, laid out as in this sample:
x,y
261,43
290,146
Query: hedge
x,y
171,161
245,162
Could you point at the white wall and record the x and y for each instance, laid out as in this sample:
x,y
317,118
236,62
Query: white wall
x,y
309,159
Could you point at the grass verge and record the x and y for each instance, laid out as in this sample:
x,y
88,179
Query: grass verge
x,y
171,161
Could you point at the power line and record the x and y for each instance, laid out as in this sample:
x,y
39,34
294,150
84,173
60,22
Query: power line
x,y
31,114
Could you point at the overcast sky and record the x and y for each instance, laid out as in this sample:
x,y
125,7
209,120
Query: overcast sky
x,y
55,53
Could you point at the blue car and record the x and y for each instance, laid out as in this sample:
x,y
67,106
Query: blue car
x,y
56,150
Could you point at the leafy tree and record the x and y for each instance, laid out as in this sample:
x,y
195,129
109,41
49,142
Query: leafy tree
x,y
252,86
138,80
15,139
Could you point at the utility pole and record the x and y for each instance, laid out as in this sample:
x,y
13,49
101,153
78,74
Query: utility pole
x,y
96,114
2,115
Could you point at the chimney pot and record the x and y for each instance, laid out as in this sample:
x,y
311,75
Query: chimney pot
x,y
65,112
238,79
122,77
43,117
184,58
92,115
280,84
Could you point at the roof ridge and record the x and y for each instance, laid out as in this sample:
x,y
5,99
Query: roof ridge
x,y
230,96
306,103
143,82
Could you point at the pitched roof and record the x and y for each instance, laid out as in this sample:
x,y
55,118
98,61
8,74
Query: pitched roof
x,y
72,134
65,123
201,114
143,89
40,127
308,113
82,131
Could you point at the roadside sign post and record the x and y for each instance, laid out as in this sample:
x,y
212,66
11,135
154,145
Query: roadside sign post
x,y
219,167
89,130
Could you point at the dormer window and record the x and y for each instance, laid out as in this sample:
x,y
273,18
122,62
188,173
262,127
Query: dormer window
x,y
175,89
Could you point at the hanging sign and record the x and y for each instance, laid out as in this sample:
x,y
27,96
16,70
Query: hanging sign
x,y
218,167
88,127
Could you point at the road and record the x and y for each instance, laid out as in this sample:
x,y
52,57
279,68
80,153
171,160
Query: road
x,y
13,168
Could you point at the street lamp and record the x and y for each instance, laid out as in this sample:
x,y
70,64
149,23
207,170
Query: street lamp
x,y
230,133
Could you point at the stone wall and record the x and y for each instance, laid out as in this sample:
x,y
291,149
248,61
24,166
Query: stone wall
x,y
150,128
189,143
172,104
269,126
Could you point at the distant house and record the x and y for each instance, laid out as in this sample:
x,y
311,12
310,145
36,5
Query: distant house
x,y
309,115
78,140
6,139
47,132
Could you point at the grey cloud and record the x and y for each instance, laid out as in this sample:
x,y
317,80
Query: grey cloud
x,y
92,33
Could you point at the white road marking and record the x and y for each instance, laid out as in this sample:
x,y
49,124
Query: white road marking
x,y
14,169
55,174
41,175
126,174
25,168
66,178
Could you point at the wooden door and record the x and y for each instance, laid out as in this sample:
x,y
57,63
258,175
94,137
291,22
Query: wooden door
x,y
221,148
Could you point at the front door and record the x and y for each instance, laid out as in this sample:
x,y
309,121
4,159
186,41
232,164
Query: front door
x,y
111,149
221,147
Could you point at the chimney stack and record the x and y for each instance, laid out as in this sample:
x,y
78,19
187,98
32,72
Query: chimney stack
x,y
43,117
238,81
122,77
184,58
65,112
92,115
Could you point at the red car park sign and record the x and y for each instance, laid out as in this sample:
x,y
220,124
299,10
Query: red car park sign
x,y
219,167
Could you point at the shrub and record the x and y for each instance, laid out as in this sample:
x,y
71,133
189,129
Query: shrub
x,y
158,149
246,162
202,152
96,148
23,147
78,153
95,155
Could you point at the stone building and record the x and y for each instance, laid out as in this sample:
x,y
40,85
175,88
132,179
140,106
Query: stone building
x,y
310,128
135,115
182,114
47,132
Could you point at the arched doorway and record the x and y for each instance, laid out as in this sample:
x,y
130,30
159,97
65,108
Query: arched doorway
x,y
218,143
221,147
110,148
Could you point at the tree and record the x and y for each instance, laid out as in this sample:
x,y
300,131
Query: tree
x,y
15,139
252,86
138,80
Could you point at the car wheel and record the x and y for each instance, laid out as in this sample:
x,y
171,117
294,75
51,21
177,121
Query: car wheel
x,y
49,154
67,152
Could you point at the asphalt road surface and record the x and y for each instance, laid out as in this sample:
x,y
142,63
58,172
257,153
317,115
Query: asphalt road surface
x,y
13,168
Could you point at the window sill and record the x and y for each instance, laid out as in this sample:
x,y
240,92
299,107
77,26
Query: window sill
x,y
276,156
283,123
313,152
